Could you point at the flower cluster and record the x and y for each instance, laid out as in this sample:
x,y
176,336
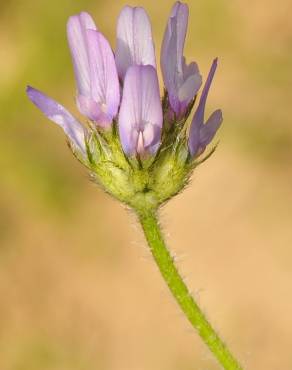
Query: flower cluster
x,y
138,147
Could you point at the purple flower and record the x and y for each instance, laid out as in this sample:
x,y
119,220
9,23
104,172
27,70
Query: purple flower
x,y
98,87
101,76
140,118
95,70
134,40
58,114
202,134
182,81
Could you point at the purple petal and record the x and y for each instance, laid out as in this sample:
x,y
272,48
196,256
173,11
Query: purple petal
x,y
134,40
76,32
199,114
104,82
91,109
201,135
176,31
181,81
209,129
192,81
186,90
58,114
140,117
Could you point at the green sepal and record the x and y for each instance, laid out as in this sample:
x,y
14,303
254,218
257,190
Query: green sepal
x,y
140,183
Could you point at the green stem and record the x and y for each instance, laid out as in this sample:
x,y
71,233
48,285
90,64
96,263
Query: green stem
x,y
181,293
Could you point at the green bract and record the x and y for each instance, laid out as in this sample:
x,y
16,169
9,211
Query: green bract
x,y
141,183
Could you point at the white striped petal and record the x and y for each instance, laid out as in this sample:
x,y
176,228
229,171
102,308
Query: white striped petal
x,y
134,40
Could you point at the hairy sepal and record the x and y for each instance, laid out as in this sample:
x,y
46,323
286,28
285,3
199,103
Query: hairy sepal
x,y
139,183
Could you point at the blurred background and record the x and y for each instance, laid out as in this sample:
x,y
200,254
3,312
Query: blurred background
x,y
78,288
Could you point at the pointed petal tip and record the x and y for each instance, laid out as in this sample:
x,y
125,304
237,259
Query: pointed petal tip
x,y
58,114
215,62
179,5
28,89
207,85
32,93
180,10
220,114
214,65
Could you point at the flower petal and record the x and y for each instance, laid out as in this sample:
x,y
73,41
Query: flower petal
x,y
194,138
209,129
186,90
134,40
172,46
91,109
76,33
192,81
178,24
199,114
104,82
182,81
200,134
58,114
141,111
151,137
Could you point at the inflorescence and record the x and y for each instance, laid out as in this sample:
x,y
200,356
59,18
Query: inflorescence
x,y
137,146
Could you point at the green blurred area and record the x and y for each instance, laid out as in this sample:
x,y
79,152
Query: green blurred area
x,y
74,291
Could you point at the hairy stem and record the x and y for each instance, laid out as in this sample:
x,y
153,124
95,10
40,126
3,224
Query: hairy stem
x,y
181,293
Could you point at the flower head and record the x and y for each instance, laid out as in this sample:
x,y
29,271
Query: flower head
x,y
135,145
